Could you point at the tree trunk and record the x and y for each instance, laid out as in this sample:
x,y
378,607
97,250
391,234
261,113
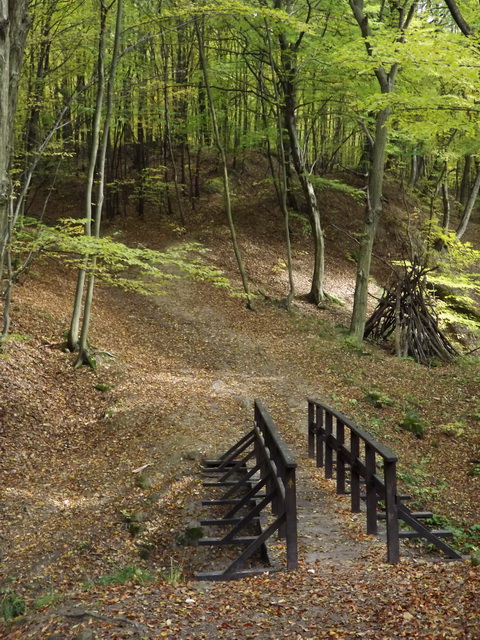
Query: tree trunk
x,y
218,141
316,295
282,190
84,356
467,212
373,212
14,25
73,334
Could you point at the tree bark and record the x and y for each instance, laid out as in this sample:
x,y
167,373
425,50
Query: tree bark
x,y
226,185
373,211
84,356
14,25
469,205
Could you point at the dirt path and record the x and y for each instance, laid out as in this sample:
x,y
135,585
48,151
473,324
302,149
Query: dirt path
x,y
249,359
188,367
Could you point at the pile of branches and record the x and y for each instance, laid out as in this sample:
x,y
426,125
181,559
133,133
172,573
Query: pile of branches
x,y
406,311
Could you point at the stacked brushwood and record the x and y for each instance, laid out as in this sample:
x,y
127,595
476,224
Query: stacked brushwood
x,y
406,311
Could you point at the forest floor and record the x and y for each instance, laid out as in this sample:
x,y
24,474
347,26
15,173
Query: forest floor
x,y
187,367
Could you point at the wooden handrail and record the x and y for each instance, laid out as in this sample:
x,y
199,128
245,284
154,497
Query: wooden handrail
x,y
269,429
381,449
328,438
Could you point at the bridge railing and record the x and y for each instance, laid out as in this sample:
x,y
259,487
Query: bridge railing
x,y
279,466
337,442
256,474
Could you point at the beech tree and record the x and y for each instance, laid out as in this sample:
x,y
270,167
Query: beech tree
x,y
14,25
401,15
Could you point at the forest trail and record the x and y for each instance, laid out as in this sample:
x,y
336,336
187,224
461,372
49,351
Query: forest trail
x,y
188,366
250,363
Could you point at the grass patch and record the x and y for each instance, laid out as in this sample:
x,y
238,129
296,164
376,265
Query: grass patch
x,y
11,605
47,600
129,573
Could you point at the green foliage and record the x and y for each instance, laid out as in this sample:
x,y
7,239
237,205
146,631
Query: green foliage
x,y
143,481
174,573
466,539
474,471
452,429
103,387
378,399
11,604
412,423
47,600
135,269
337,185
129,573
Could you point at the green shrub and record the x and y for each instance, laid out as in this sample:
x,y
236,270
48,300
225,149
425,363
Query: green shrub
x,y
378,399
452,429
413,423
11,605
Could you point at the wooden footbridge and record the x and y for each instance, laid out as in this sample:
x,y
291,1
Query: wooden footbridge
x,y
256,479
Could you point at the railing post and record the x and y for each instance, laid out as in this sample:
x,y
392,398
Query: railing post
x,y
393,542
311,429
355,476
328,445
371,489
291,518
278,503
320,439
340,457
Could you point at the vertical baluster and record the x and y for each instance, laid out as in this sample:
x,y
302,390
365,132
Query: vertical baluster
x,y
355,477
279,503
393,543
371,490
291,518
311,430
320,436
340,457
328,445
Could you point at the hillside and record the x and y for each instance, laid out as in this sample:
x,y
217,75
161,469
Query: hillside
x,y
186,368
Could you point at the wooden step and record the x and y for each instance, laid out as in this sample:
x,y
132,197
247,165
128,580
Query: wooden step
x,y
439,533
228,483
226,521
232,541
419,515
242,573
207,503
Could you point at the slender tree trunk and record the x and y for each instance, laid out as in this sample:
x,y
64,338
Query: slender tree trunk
x,y
73,334
282,192
373,209
446,206
317,294
469,205
168,137
373,212
226,186
465,183
84,356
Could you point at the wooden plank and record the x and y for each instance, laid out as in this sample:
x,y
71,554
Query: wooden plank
x,y
330,445
405,515
340,457
223,522
393,543
354,474
207,542
371,495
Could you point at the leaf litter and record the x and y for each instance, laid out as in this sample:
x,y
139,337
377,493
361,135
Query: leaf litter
x,y
188,365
